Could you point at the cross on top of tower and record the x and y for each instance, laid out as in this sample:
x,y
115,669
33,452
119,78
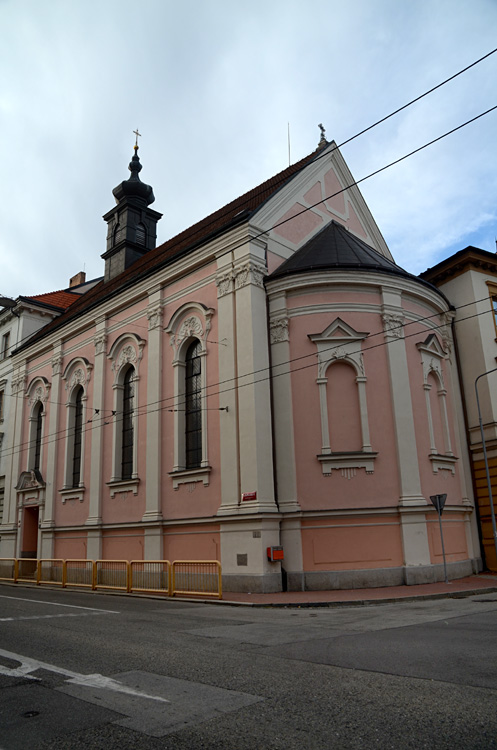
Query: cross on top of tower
x,y
137,134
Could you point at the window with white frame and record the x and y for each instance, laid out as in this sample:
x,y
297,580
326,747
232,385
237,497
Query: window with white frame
x,y
36,433
432,356
126,354
188,329
5,349
340,344
37,394
127,431
76,376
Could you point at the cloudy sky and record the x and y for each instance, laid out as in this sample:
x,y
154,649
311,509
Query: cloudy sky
x,y
212,86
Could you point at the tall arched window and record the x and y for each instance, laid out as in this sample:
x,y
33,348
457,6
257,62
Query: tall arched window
x,y
193,406
37,430
77,437
127,425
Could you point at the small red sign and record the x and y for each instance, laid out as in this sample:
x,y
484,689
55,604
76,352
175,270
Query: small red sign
x,y
249,496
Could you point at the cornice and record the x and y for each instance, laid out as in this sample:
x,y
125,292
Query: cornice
x,y
469,260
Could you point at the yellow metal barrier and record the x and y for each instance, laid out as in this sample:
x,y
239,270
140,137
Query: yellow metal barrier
x,y
112,574
27,570
51,571
79,573
8,569
152,576
196,577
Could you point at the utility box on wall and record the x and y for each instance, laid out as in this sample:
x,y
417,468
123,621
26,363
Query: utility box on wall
x,y
274,554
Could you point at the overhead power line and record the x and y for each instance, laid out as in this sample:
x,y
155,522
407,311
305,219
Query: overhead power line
x,y
357,135
265,373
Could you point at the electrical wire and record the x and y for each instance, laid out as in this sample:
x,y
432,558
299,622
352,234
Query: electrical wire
x,y
144,410
280,179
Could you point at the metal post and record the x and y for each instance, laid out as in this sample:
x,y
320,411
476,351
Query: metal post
x,y
489,483
442,538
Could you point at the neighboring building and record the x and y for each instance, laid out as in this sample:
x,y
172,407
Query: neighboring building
x,y
18,322
469,279
268,377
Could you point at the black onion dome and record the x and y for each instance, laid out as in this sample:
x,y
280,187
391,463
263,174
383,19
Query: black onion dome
x,y
335,248
134,187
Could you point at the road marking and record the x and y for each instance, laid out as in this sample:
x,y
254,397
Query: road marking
x,y
51,617
29,665
54,604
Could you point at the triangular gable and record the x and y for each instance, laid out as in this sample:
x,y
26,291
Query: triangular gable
x,y
339,330
432,346
320,182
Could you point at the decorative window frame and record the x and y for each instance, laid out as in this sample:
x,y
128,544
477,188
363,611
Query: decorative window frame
x,y
191,322
432,354
37,392
492,291
126,351
76,374
3,385
340,342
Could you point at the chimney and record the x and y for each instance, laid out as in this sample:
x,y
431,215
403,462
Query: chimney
x,y
80,278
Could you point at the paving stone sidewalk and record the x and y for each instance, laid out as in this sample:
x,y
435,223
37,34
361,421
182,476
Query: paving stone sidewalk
x,y
484,583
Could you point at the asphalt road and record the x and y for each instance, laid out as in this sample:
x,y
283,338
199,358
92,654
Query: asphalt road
x,y
82,670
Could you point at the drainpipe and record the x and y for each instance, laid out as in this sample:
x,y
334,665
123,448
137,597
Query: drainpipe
x,y
489,483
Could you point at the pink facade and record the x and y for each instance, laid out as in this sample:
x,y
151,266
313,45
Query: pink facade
x,y
236,389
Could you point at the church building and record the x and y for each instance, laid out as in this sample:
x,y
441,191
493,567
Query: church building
x,y
268,378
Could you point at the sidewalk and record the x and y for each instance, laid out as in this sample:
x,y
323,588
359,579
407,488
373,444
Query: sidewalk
x,y
484,583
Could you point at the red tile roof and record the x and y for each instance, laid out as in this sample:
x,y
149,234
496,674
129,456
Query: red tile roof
x,y
236,212
61,299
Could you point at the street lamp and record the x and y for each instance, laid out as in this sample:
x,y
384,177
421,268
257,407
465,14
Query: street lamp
x,y
10,304
489,483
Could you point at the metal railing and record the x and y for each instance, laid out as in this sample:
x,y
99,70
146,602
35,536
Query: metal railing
x,y
181,577
80,573
51,571
111,574
8,569
196,577
150,576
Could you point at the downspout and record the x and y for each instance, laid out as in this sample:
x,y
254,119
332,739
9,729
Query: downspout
x,y
466,426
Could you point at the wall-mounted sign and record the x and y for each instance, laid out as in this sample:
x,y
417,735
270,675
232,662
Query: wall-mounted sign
x,y
249,495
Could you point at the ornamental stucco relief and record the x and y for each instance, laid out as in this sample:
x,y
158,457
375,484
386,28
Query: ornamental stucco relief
x,y
100,342
57,365
154,315
279,330
19,383
249,274
224,283
126,356
393,325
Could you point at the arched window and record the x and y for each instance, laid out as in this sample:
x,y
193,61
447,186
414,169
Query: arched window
x,y
37,431
128,395
193,406
77,438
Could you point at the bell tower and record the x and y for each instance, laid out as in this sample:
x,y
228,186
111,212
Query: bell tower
x,y
132,225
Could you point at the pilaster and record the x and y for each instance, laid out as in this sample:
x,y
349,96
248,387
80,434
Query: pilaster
x,y
154,417
393,323
95,505
229,438
284,439
13,464
253,383
48,520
